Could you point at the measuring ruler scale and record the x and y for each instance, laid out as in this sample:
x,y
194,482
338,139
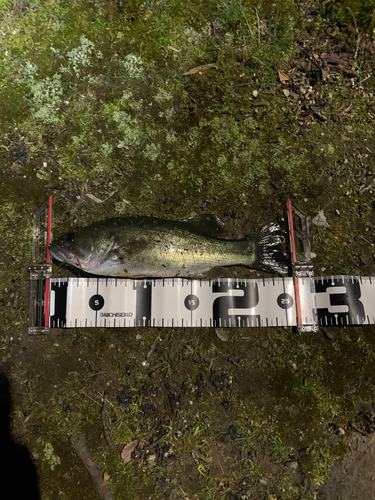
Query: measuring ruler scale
x,y
177,302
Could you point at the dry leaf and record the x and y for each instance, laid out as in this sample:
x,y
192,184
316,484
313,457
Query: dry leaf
x,y
127,451
172,48
283,76
200,68
105,477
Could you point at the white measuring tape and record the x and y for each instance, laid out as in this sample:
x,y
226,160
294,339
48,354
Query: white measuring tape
x,y
302,300
177,302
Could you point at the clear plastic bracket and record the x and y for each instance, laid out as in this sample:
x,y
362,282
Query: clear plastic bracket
x,y
41,271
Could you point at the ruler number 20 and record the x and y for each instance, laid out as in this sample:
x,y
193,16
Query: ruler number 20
x,y
221,305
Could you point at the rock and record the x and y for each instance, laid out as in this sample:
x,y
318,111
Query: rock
x,y
320,220
292,465
286,92
329,334
263,482
309,488
255,93
148,409
365,407
222,334
331,439
264,344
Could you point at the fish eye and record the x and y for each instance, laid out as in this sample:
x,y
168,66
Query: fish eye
x,y
70,237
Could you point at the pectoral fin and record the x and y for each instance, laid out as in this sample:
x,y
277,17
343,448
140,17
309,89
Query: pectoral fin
x,y
130,249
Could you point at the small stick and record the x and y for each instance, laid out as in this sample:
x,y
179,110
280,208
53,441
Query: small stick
x,y
241,85
92,399
243,13
363,189
104,419
367,77
358,33
256,13
364,239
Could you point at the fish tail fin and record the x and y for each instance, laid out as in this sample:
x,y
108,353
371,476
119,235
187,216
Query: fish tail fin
x,y
269,254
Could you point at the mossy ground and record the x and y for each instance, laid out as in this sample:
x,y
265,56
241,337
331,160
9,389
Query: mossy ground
x,y
95,100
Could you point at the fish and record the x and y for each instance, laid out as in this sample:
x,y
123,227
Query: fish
x,y
141,246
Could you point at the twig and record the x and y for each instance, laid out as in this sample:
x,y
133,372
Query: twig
x,y
256,13
247,22
103,417
221,467
261,62
364,239
358,33
363,188
320,176
183,492
92,399
78,442
367,77
347,109
240,85
152,349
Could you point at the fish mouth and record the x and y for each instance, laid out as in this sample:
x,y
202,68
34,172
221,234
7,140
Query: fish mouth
x,y
59,253
67,256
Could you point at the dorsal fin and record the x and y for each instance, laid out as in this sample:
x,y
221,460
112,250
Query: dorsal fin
x,y
208,224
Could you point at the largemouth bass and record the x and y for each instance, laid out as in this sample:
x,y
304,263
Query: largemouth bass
x,y
150,247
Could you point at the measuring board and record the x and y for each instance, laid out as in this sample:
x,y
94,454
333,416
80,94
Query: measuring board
x,y
303,300
177,302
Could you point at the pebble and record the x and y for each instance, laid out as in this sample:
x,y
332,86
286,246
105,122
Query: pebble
x,y
292,465
222,334
264,344
286,92
263,482
255,93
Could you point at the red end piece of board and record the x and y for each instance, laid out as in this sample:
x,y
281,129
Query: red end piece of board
x,y
294,260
